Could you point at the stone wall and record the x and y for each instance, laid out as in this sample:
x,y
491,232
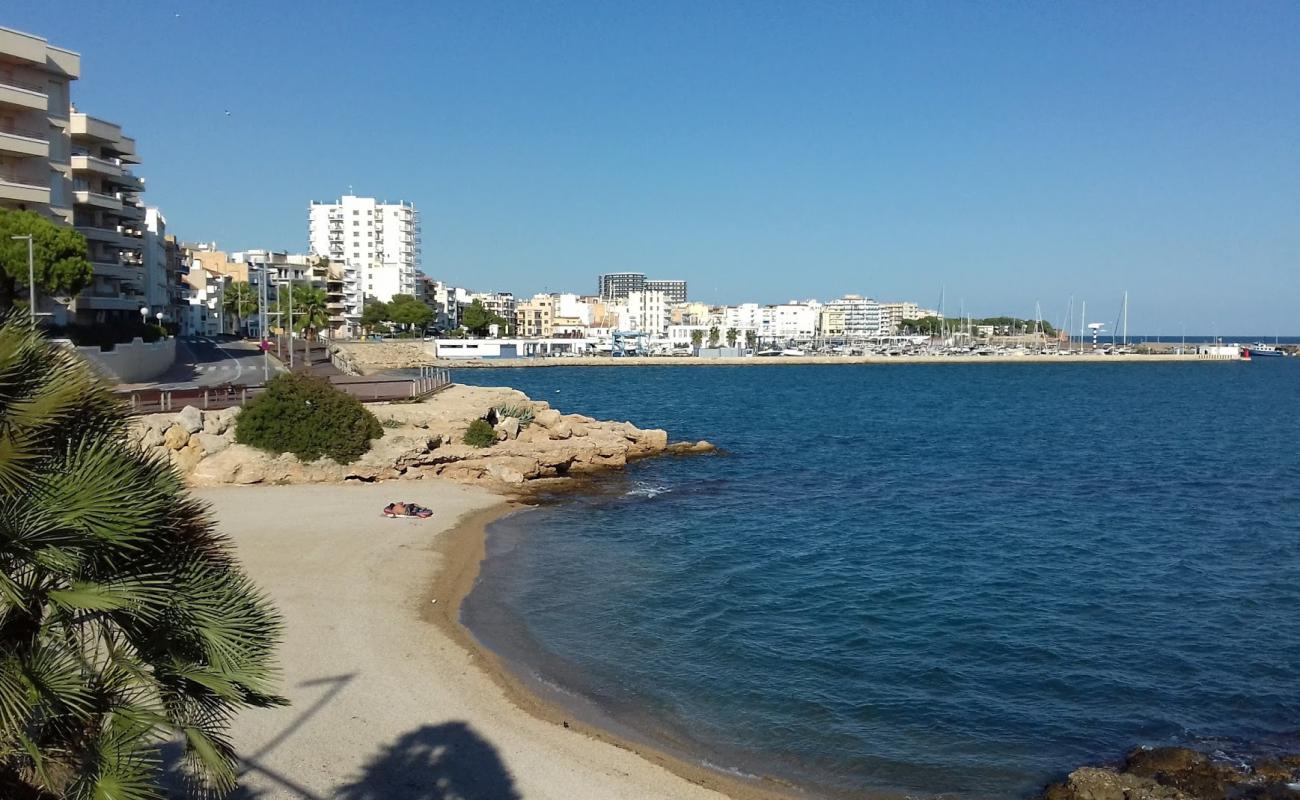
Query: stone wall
x,y
136,362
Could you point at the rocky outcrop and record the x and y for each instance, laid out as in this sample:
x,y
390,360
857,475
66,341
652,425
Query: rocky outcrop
x,y
364,358
1178,773
420,440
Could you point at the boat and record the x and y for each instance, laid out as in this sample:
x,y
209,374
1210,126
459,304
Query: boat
x,y
792,351
1260,350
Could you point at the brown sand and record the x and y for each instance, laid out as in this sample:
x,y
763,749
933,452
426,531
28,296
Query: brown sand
x,y
391,698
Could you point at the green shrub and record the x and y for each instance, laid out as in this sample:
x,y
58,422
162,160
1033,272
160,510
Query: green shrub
x,y
480,434
521,413
308,417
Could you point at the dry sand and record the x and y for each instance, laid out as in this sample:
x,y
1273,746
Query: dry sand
x,y
389,697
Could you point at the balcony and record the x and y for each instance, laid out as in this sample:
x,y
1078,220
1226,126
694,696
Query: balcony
x,y
21,189
20,94
96,165
20,141
86,197
128,181
122,272
111,302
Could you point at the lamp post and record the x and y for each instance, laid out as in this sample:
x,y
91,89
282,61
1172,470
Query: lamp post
x,y
31,273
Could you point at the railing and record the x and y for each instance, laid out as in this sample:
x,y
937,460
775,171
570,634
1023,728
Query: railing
x,y
22,180
18,84
14,130
367,390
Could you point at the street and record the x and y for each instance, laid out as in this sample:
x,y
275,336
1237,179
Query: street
x,y
201,361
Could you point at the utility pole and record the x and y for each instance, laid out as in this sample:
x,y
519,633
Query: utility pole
x,y
31,274
261,308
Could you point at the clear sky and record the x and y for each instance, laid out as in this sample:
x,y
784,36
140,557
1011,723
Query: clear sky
x,y
1010,152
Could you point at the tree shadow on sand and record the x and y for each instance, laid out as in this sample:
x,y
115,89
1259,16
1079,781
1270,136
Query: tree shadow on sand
x,y
434,762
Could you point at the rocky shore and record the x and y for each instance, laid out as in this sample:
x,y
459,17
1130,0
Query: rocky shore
x,y
1178,773
421,440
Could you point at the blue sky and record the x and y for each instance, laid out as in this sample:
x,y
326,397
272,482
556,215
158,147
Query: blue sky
x,y
1011,152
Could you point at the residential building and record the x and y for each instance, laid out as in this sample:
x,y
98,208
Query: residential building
x,y
176,267
161,272
648,313
614,286
500,303
893,314
35,110
535,317
381,241
674,291
108,212
797,321
861,316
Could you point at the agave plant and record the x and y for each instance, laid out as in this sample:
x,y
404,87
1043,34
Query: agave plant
x,y
521,413
124,620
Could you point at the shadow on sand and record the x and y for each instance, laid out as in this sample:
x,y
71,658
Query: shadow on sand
x,y
434,762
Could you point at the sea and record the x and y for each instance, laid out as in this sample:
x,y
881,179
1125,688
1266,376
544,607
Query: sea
x,y
950,580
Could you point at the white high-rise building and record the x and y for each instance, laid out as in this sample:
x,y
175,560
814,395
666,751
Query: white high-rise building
x,y
381,241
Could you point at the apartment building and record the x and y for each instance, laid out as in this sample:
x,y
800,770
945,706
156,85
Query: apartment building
x,y
857,317
535,317
380,241
674,291
797,321
615,286
107,210
649,313
35,106
893,314
500,303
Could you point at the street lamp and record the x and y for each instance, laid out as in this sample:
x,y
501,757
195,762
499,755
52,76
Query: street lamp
x,y
144,315
31,272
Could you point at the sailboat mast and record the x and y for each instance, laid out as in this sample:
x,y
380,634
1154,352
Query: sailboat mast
x,y
1126,317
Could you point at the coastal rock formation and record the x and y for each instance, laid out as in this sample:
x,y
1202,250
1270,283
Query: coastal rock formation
x,y
420,440
364,358
1178,773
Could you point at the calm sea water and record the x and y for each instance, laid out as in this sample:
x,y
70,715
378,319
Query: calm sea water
x,y
947,579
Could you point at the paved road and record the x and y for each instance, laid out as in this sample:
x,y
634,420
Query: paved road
x,y
201,361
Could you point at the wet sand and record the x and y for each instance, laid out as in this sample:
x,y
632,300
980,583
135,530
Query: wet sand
x,y
390,696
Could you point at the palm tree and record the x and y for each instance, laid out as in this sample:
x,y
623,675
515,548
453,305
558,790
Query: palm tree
x,y
732,333
310,314
697,338
239,300
713,336
124,619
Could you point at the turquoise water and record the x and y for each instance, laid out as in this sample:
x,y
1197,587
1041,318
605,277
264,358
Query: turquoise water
x,y
947,579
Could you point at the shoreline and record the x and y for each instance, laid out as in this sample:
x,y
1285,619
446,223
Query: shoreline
x,y
462,549
787,361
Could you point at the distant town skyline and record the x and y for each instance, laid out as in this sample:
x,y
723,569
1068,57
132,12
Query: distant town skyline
x,y
766,152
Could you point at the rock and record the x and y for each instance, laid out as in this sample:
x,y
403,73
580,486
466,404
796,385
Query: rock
x,y
547,418
215,422
236,464
510,425
191,419
1192,772
653,439
1093,783
506,474
176,436
150,437
561,430
210,443
691,448
188,457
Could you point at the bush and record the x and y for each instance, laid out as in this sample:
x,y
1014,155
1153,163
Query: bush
x,y
480,434
308,417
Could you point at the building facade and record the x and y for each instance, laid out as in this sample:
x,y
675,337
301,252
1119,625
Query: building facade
x,y
674,291
535,317
615,286
35,107
857,316
107,210
380,241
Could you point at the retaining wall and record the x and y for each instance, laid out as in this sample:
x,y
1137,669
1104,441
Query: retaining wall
x,y
136,362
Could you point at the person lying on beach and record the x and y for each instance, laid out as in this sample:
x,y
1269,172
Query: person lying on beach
x,y
401,509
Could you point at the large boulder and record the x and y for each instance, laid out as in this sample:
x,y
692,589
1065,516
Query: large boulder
x,y
191,419
188,457
1193,772
1094,783
509,426
176,436
547,417
210,443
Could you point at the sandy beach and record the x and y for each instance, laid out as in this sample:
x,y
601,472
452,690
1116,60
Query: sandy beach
x,y
389,697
